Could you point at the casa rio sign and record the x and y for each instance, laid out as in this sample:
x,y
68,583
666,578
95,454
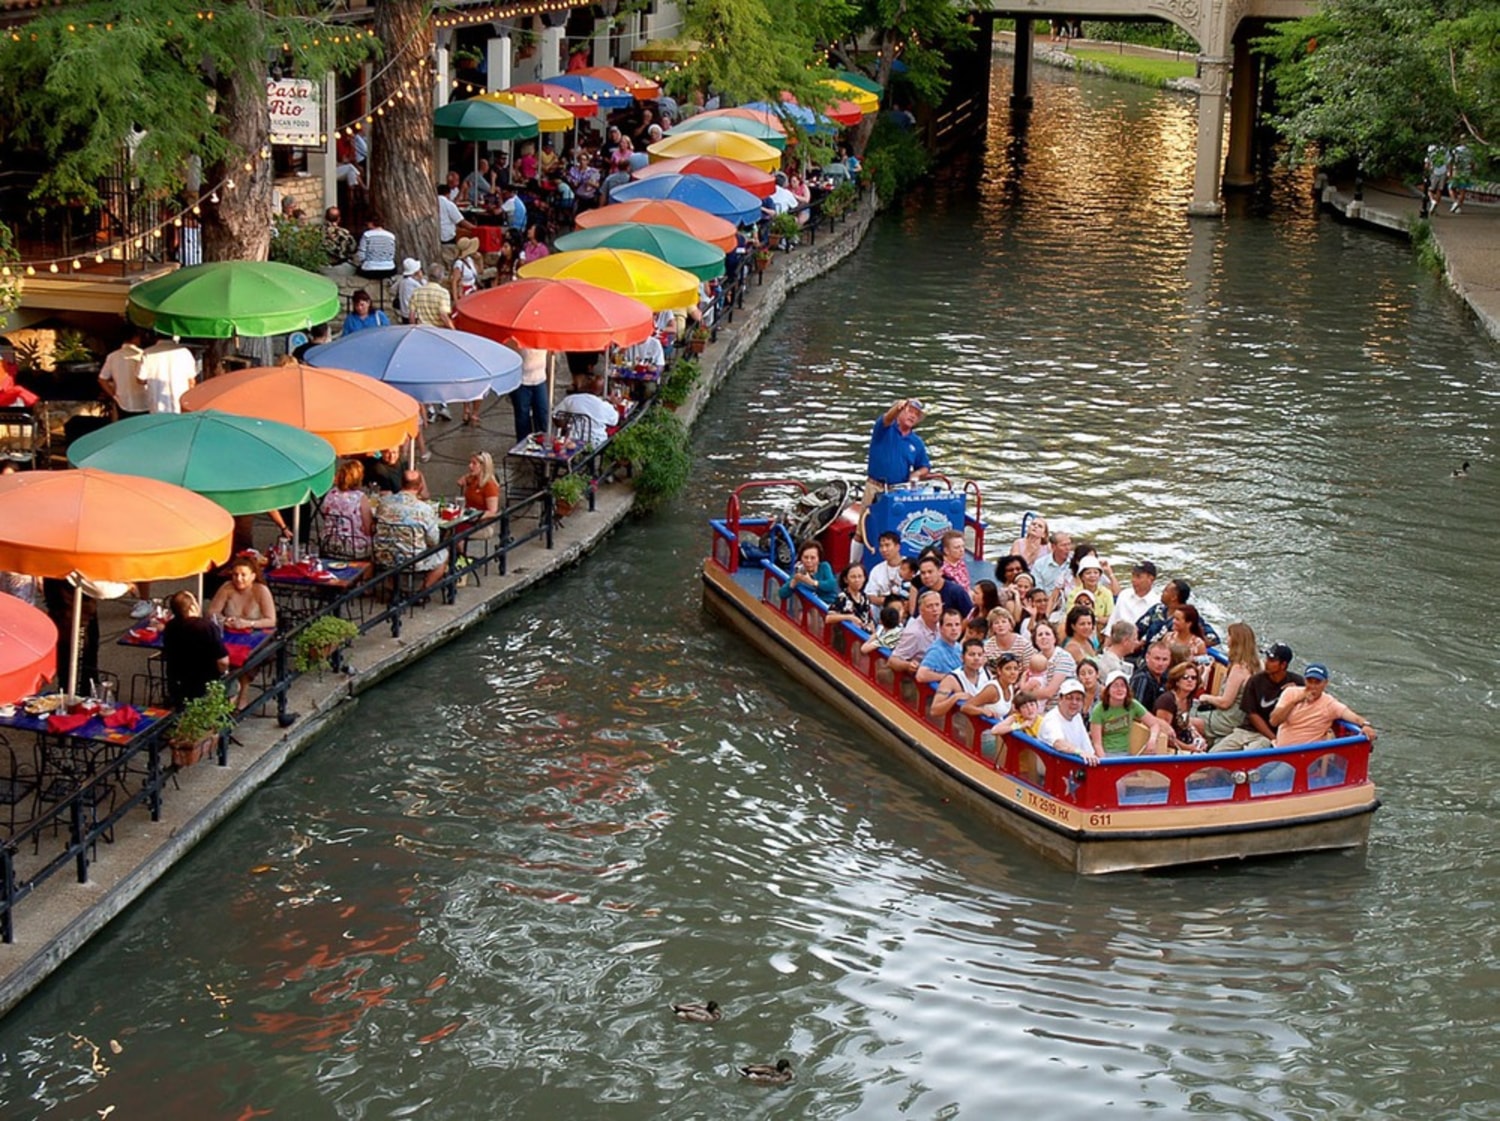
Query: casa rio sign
x,y
295,114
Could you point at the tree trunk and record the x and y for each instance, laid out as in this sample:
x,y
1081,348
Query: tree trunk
x,y
238,227
402,188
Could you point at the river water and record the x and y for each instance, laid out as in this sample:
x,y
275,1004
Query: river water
x,y
476,897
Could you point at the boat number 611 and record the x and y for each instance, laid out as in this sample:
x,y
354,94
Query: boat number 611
x,y
1099,819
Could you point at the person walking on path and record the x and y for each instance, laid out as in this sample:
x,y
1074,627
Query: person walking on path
x,y
1435,175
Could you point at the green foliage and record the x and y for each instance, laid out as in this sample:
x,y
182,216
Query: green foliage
x,y
10,286
753,49
656,446
569,489
1167,36
840,200
1378,80
209,714
84,79
317,642
70,347
1143,71
894,159
298,243
785,226
1429,252
680,381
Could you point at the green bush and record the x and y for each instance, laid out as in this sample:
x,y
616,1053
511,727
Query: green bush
x,y
299,243
656,447
894,159
679,383
1164,35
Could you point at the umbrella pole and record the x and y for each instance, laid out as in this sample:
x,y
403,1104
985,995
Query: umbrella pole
x,y
77,627
296,533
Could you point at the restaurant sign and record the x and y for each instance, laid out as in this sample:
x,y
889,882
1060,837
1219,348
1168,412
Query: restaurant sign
x,y
295,115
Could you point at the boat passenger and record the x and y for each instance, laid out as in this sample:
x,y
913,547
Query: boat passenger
x,y
1305,713
1035,608
986,599
1187,629
1258,701
1119,647
812,572
930,572
970,686
897,454
944,655
952,545
889,631
851,604
1175,706
920,632
1151,679
1088,677
1032,545
1078,632
1092,571
1050,569
1221,711
1117,710
1063,728
885,577
1007,674
1174,594
1140,597
1060,664
1008,568
1003,640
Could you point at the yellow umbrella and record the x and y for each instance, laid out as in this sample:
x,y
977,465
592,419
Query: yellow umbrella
x,y
726,145
868,102
550,117
658,285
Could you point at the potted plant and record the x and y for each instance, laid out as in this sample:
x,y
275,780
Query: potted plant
x,y
75,367
762,258
199,725
680,381
655,448
784,229
320,640
568,492
525,41
466,58
698,339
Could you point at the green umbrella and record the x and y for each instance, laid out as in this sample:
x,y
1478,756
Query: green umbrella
x,y
483,120
742,125
676,248
869,85
247,466
226,298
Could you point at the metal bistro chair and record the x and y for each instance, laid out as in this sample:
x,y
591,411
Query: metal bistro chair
x,y
16,785
396,543
21,437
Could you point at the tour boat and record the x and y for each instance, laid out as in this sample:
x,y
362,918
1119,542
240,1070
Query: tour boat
x,y
1125,813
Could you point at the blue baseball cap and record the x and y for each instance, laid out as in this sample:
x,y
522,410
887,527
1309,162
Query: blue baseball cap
x,y
1317,672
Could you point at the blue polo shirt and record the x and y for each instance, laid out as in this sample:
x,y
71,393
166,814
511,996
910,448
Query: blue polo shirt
x,y
893,456
944,657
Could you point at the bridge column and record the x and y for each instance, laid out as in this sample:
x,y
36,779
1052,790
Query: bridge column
x,y
1213,75
1020,89
1238,172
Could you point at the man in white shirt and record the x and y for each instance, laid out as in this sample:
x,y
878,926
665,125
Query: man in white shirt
x,y
411,280
590,415
1063,728
167,371
121,377
781,199
647,353
885,577
451,220
1140,598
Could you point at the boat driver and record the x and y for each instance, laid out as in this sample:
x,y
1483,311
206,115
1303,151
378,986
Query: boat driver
x,y
897,454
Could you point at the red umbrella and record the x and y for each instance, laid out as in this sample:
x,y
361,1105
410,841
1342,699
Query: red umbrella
x,y
28,649
759,183
555,315
560,96
844,112
638,86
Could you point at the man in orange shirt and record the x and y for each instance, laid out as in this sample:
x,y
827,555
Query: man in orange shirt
x,y
1305,713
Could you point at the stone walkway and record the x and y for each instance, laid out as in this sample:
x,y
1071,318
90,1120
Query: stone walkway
x,y
63,914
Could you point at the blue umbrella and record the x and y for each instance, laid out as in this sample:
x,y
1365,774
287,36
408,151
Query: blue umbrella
x,y
594,89
432,364
723,200
799,115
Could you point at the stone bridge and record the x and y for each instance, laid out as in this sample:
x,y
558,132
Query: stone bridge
x,y
1227,69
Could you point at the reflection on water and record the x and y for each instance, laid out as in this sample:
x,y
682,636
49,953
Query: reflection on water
x,y
479,894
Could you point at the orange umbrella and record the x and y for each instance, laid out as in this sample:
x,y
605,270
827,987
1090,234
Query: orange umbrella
x,y
108,527
746,176
638,86
28,649
353,412
663,212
